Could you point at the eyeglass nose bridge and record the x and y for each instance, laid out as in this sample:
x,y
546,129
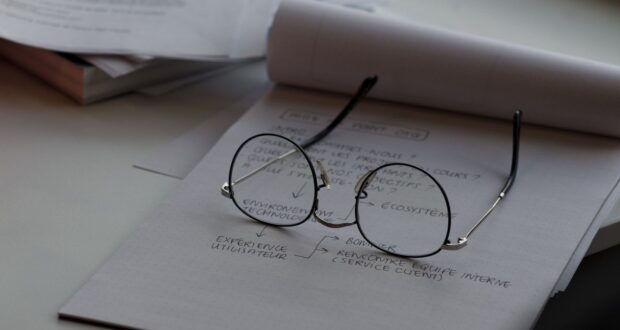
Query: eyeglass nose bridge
x,y
326,222
325,181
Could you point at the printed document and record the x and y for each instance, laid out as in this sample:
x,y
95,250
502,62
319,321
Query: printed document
x,y
198,262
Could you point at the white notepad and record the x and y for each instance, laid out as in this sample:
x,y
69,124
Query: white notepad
x,y
183,268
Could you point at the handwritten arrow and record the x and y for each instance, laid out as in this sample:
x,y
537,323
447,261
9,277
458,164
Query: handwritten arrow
x,y
262,232
299,193
348,214
353,209
318,248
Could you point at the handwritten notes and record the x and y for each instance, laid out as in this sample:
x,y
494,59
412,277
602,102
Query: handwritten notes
x,y
203,262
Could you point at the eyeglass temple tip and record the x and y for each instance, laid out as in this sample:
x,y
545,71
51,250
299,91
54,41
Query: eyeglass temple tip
x,y
516,137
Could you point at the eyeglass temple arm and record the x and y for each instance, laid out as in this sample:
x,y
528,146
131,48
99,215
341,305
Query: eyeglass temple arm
x,y
225,190
516,137
362,91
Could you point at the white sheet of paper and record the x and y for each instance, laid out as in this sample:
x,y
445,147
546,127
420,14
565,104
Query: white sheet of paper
x,y
116,65
331,48
168,28
186,266
606,215
610,231
169,86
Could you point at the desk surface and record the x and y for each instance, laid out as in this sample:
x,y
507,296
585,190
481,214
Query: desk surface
x,y
68,192
69,195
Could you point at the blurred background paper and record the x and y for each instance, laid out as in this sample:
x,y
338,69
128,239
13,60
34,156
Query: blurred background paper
x,y
192,29
331,48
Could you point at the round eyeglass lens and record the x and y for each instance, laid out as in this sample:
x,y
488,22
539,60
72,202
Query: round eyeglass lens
x,y
271,180
401,209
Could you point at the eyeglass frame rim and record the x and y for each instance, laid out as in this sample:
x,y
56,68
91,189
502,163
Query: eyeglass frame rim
x,y
314,180
357,198
443,192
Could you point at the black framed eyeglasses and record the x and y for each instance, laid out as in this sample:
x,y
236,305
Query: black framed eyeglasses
x,y
400,208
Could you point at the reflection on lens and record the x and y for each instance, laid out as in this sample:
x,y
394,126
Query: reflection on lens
x,y
403,210
272,181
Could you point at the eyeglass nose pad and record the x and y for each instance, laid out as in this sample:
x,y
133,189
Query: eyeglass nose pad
x,y
323,174
365,180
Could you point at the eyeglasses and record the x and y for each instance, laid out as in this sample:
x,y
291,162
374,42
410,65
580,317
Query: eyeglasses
x,y
400,208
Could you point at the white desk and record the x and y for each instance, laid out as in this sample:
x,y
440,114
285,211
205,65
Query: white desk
x,y
68,192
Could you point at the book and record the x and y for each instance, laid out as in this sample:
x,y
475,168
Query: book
x,y
197,261
86,83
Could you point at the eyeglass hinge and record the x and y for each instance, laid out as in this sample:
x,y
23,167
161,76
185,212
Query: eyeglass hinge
x,y
460,242
225,190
